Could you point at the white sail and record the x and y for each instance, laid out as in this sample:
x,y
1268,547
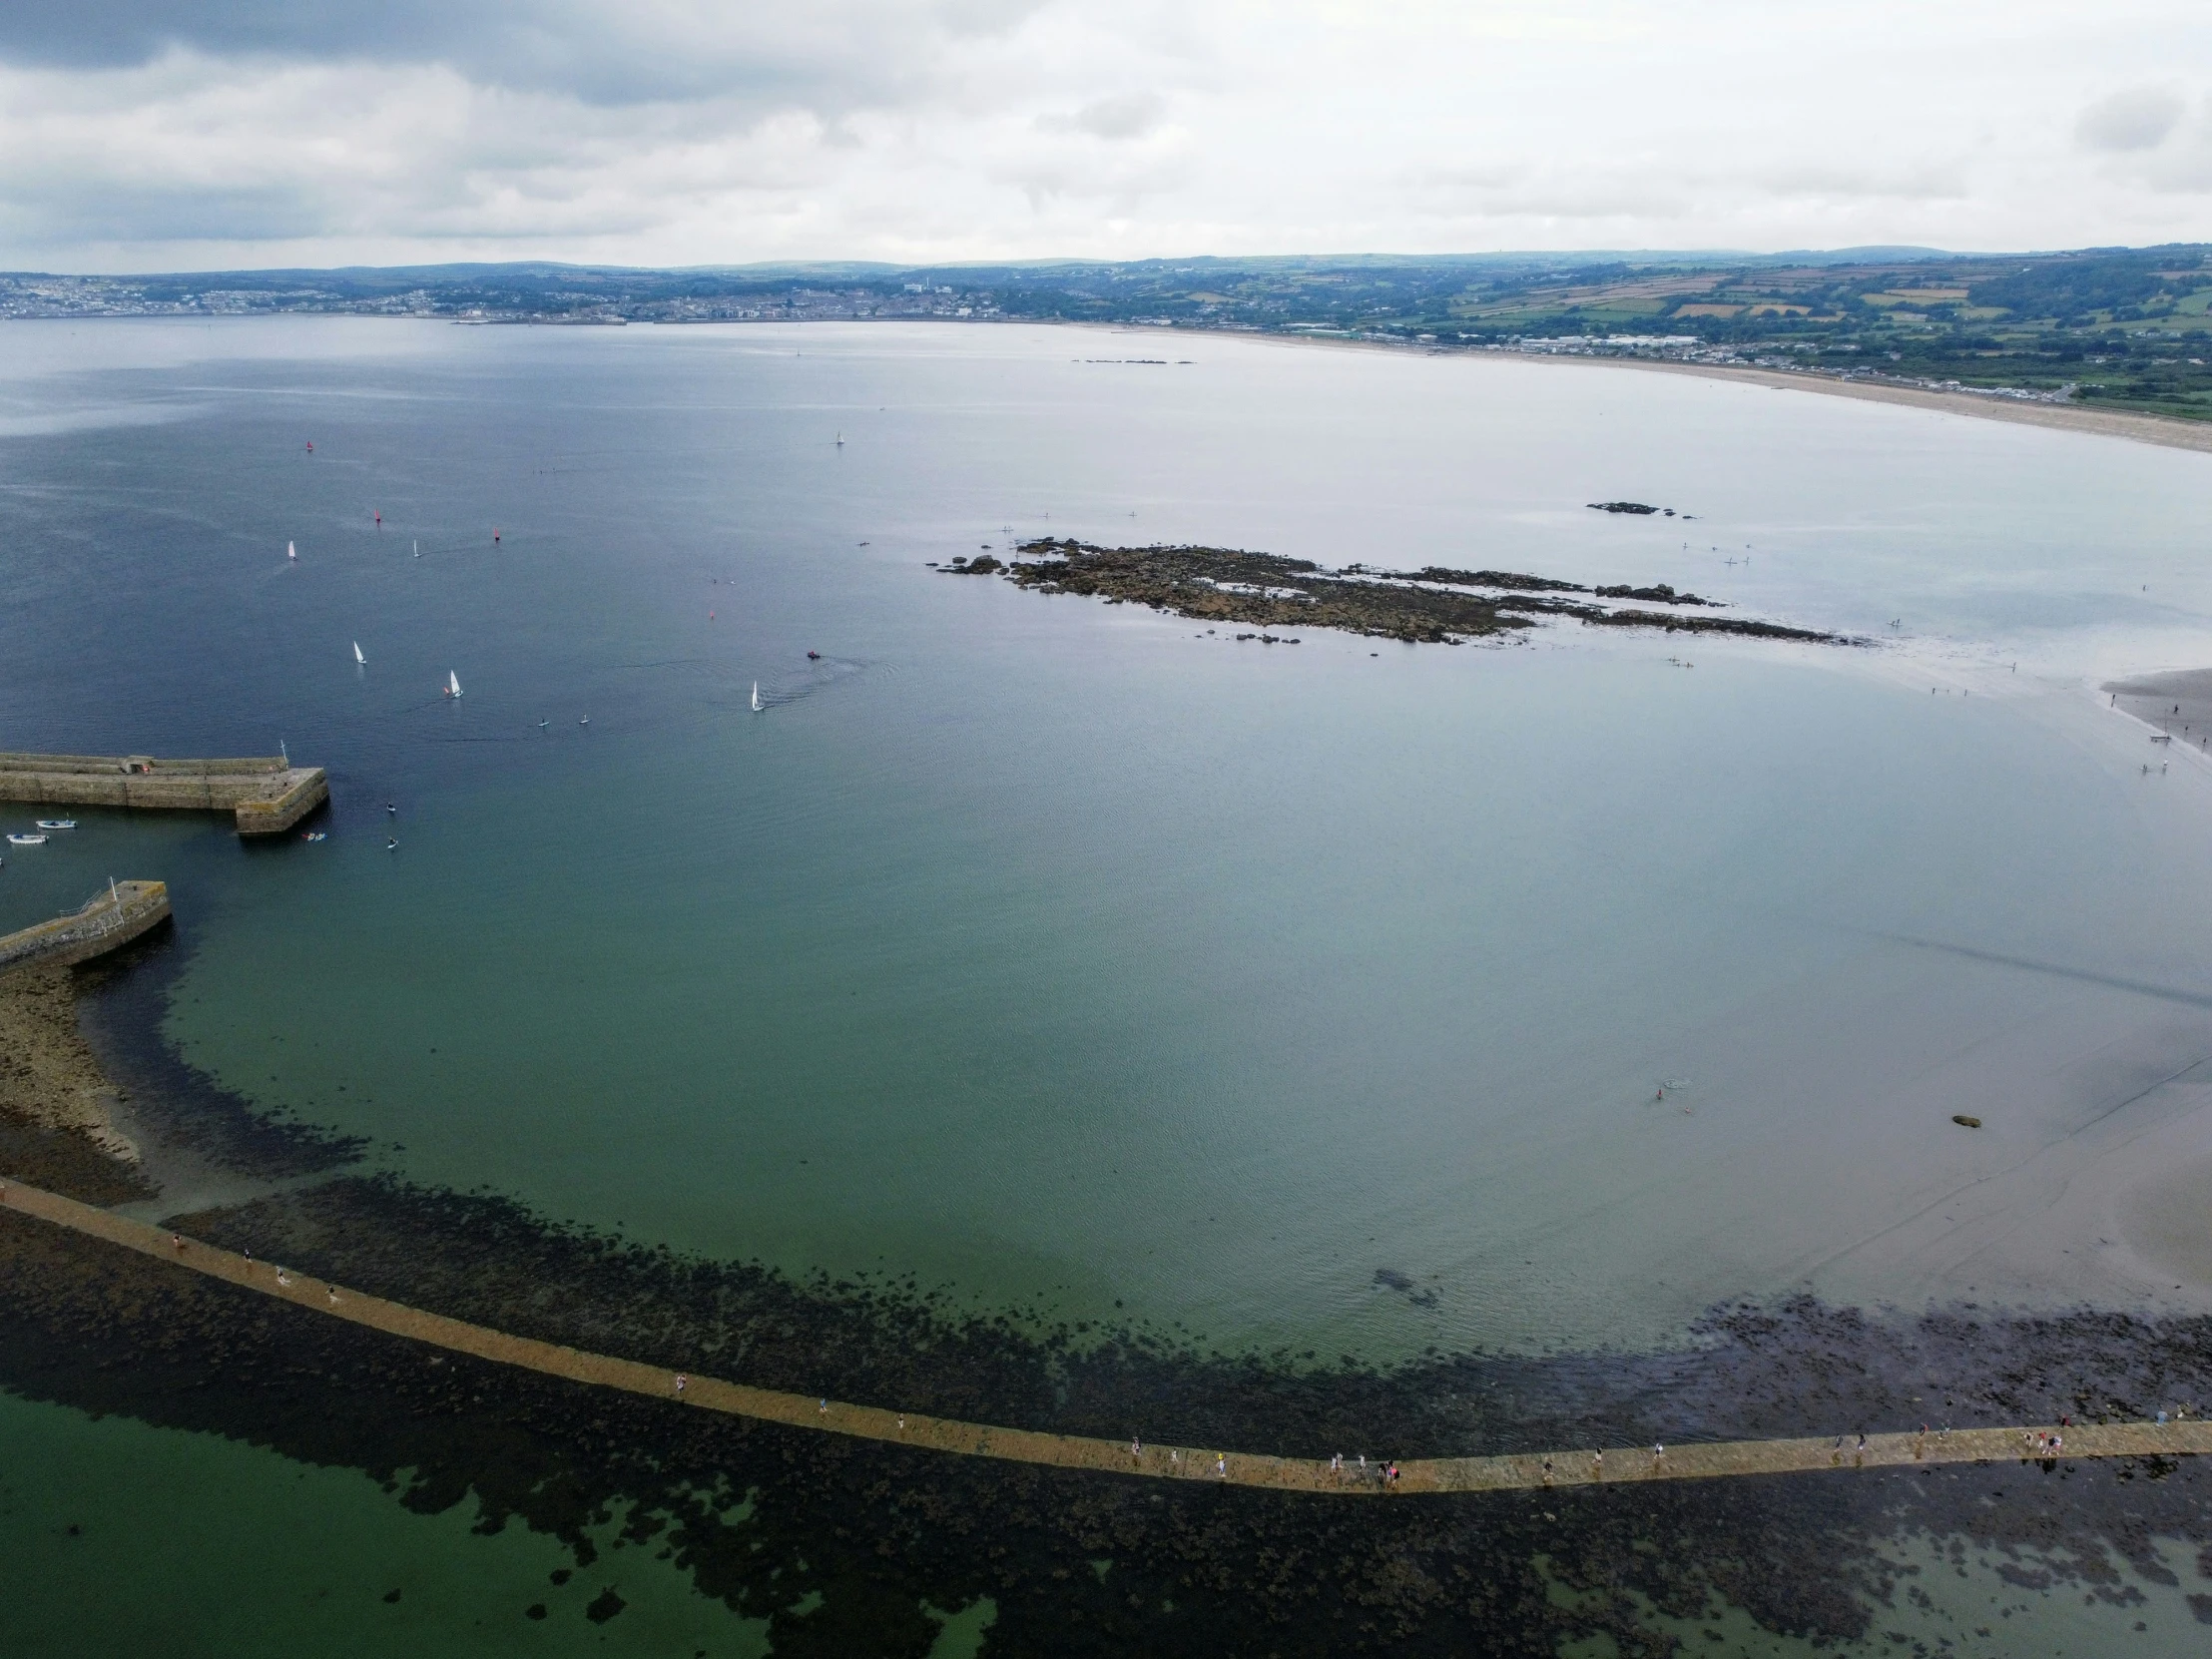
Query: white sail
x,y
452,684
756,697
357,657
291,552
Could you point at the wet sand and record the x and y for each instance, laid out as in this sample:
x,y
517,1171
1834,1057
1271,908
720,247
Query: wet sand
x,y
49,1079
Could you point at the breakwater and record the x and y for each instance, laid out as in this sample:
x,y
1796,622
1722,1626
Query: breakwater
x,y
266,795
1571,1467
104,923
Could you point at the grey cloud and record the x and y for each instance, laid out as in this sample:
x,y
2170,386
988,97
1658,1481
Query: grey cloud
x,y
1130,114
273,212
827,54
2139,118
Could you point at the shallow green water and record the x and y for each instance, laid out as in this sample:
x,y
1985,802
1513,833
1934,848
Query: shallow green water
x,y
199,1545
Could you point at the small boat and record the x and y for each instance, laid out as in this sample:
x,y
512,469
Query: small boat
x,y
756,697
452,684
357,657
841,440
57,823
313,835
26,840
292,552
813,656
418,550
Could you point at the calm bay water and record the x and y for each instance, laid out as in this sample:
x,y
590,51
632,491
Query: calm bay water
x,y
1065,958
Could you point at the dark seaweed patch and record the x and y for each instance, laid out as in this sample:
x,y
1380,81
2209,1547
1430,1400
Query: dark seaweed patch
x,y
842,1543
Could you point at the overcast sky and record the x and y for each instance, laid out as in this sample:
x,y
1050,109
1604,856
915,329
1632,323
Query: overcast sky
x,y
142,135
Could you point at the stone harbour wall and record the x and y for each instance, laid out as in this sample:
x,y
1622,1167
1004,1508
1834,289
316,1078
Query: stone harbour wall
x,y
265,794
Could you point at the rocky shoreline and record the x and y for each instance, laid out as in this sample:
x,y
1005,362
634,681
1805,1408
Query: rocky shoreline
x,y
1433,605
57,1104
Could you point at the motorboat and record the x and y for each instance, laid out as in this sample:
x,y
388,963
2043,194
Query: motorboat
x,y
26,840
57,823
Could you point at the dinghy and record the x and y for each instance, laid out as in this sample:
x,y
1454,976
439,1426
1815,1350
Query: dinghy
x,y
452,684
756,697
357,657
26,840
57,823
292,552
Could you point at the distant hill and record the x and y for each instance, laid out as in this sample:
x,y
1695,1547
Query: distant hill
x,y
2121,326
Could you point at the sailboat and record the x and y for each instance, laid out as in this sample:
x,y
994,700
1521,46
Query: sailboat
x,y
452,684
291,552
357,657
418,550
841,440
756,697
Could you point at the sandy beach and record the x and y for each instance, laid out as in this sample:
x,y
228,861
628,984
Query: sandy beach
x,y
2065,418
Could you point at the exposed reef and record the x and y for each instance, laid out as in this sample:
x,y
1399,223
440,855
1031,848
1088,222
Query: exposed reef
x,y
1432,605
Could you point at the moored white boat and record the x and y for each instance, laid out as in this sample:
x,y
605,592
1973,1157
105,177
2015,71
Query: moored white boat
x,y
57,823
26,840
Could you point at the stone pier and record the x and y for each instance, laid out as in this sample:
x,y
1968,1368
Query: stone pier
x,y
110,918
266,795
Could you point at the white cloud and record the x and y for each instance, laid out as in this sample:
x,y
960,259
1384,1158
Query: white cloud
x,y
162,134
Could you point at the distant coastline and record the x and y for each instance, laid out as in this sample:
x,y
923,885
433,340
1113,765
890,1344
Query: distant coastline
x,y
2163,430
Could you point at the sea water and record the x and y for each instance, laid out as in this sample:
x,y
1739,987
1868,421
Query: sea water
x,y
1074,958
